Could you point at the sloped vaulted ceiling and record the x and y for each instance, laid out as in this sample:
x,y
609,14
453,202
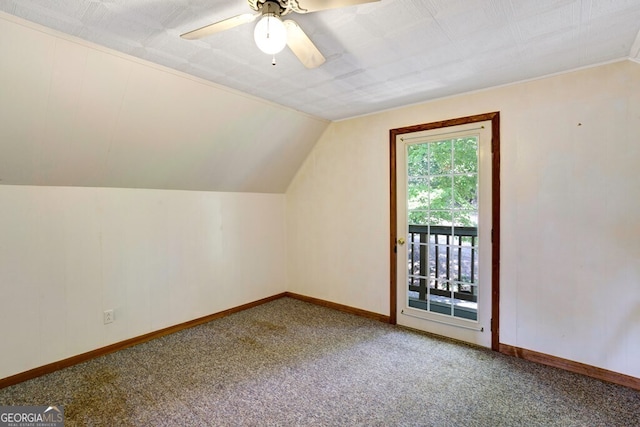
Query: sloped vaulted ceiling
x,y
75,114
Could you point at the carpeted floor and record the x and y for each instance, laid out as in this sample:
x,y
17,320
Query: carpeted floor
x,y
290,363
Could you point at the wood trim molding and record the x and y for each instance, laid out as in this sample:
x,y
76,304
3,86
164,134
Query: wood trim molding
x,y
80,358
74,360
495,229
393,228
530,355
339,307
494,117
571,366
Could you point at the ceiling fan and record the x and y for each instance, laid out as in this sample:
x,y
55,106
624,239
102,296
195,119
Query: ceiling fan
x,y
271,34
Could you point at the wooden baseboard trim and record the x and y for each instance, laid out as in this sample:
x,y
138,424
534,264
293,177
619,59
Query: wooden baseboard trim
x,y
530,355
340,307
74,360
570,365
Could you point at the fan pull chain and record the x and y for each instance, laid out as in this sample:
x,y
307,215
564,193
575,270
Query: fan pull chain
x,y
273,61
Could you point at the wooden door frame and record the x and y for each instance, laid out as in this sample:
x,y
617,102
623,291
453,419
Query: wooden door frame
x,y
494,117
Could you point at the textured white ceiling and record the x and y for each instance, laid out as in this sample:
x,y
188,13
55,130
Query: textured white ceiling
x,y
379,55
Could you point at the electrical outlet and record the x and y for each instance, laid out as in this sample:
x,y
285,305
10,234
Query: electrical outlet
x,y
108,316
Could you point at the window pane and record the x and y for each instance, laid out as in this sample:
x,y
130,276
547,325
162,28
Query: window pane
x,y
419,217
418,193
440,218
465,191
441,192
465,155
417,160
442,199
465,218
465,264
440,157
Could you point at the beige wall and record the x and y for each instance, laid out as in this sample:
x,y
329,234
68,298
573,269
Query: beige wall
x,y
157,257
570,275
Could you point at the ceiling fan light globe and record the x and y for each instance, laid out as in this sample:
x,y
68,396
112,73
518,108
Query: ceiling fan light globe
x,y
270,34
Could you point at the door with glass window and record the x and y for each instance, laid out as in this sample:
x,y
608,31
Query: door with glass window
x,y
444,227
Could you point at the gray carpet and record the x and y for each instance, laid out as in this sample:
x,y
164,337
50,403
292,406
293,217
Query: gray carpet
x,y
290,363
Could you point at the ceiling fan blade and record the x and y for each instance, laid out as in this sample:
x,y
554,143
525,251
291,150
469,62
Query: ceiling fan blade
x,y
302,46
223,25
315,5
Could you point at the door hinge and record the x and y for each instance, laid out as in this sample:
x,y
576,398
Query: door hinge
x,y
492,235
491,324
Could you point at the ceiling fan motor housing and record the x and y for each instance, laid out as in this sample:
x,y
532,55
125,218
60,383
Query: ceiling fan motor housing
x,y
278,7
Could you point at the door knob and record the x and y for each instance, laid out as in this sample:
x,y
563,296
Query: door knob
x,y
401,241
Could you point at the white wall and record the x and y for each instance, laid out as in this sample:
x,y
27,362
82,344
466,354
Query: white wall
x,y
570,276
157,257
